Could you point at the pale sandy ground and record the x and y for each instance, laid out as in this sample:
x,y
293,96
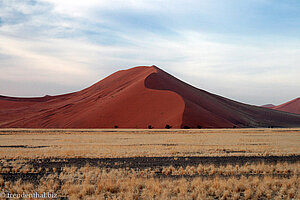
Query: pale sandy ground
x,y
113,143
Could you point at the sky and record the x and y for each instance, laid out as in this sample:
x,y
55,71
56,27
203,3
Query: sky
x,y
247,50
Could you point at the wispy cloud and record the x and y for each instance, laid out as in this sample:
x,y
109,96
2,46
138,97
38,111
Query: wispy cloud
x,y
246,50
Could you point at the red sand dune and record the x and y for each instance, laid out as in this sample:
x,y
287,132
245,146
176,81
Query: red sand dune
x,y
291,106
136,98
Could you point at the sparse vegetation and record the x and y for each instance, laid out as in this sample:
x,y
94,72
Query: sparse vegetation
x,y
249,181
30,143
168,126
40,161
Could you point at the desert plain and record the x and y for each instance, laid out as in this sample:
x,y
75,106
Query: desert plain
x,y
254,163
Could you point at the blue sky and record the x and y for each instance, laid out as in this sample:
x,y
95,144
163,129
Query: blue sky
x,y
244,50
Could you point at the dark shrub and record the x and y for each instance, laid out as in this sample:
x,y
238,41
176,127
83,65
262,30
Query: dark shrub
x,y
186,127
199,126
150,127
116,127
234,126
168,126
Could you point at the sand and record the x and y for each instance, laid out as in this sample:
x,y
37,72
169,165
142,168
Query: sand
x,y
292,106
136,98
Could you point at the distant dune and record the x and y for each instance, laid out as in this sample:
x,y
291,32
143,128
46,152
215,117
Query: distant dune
x,y
291,106
268,106
138,98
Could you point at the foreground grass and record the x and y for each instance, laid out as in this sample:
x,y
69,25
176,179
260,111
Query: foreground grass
x,y
249,181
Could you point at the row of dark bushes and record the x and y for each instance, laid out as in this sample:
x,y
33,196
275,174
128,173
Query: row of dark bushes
x,y
167,127
184,127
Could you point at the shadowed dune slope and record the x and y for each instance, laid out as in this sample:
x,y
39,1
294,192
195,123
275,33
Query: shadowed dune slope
x,y
212,111
136,98
291,106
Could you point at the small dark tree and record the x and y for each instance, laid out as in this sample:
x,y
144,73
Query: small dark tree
x,y
168,126
116,126
234,126
150,127
199,126
186,127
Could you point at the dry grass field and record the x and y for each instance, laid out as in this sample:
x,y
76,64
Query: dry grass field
x,y
114,143
151,164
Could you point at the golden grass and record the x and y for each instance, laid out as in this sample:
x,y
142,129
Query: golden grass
x,y
49,143
244,182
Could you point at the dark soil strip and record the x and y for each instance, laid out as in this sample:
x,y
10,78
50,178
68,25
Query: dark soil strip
x,y
23,146
153,162
34,178
26,177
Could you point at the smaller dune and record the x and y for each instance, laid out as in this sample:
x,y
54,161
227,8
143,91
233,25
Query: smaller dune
x,y
292,106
